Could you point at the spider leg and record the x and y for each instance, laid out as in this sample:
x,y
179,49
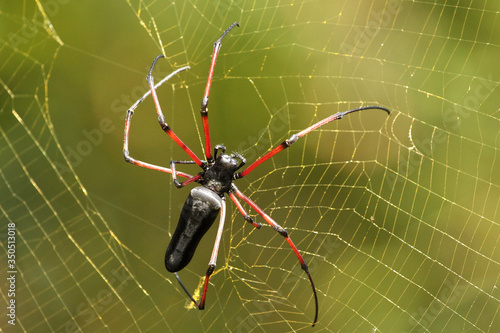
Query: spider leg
x,y
242,210
185,290
161,117
165,79
287,143
215,252
204,101
128,120
174,174
283,233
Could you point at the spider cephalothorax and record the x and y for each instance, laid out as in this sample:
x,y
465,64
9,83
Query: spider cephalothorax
x,y
219,176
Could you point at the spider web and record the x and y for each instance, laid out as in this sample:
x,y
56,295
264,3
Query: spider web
x,y
397,217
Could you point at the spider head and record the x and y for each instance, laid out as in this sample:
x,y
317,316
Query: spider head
x,y
228,162
219,176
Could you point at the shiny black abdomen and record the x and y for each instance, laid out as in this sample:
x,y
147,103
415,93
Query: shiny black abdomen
x,y
198,214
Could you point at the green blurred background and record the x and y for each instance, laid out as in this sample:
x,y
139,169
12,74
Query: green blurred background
x,y
397,216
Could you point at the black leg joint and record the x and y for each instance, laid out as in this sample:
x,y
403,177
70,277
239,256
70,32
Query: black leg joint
x,y
251,221
204,104
164,127
210,270
292,139
281,231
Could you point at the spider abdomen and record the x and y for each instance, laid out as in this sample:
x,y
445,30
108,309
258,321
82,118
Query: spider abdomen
x,y
198,214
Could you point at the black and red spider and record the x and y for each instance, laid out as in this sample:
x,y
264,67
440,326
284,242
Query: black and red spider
x,y
217,179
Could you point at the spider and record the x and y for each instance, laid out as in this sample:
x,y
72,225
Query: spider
x,y
219,171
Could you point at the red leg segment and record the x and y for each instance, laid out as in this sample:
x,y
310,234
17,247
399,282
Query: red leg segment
x,y
204,101
283,233
285,144
243,212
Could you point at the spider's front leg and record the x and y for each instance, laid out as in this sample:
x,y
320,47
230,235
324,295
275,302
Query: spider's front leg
x,y
204,101
161,117
128,120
